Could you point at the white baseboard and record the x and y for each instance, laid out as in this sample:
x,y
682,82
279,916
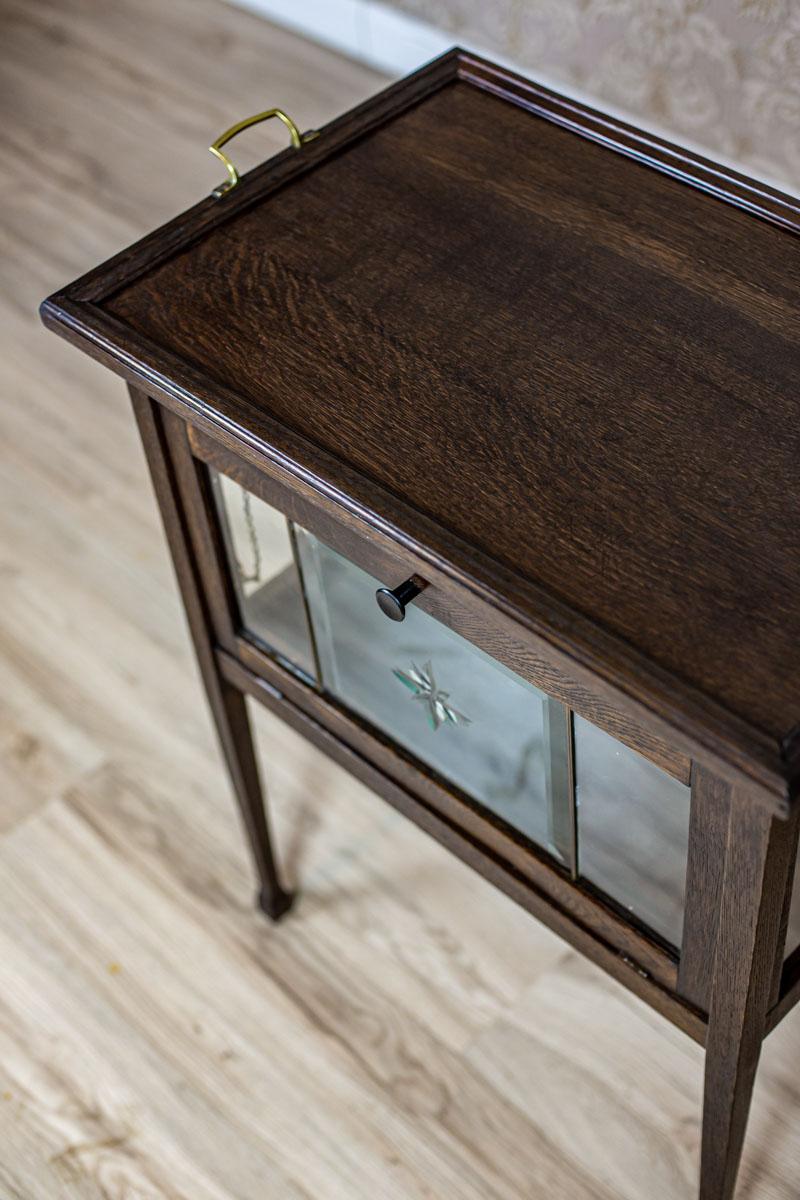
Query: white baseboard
x,y
363,29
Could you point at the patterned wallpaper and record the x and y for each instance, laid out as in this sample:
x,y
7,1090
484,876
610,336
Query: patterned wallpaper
x,y
723,75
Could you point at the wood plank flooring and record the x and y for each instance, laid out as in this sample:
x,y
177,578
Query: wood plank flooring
x,y
407,1034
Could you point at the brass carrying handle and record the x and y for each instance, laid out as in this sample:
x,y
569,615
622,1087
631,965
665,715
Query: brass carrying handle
x,y
298,139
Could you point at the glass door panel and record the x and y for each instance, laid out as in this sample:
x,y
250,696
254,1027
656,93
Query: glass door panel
x,y
459,711
633,829
259,544
607,813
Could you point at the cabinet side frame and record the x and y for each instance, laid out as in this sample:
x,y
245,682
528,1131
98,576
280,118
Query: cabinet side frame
x,y
226,701
743,985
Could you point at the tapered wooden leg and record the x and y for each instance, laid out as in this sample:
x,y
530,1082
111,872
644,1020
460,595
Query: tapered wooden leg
x,y
228,705
759,861
236,739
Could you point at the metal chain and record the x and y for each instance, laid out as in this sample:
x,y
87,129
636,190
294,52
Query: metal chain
x,y
254,575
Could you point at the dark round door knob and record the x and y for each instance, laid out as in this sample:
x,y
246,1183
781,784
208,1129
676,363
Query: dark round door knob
x,y
393,602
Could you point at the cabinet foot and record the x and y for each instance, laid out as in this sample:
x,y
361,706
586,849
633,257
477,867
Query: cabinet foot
x,y
275,903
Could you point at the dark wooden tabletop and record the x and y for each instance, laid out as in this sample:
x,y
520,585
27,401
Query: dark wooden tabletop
x,y
576,366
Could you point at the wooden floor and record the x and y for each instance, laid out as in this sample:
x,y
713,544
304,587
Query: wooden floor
x,y
407,1033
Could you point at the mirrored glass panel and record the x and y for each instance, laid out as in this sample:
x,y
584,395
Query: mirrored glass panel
x,y
633,829
265,574
456,709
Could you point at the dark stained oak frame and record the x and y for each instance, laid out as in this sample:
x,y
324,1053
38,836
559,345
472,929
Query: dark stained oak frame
x,y
729,986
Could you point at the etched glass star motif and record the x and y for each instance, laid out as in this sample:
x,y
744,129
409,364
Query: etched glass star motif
x,y
423,684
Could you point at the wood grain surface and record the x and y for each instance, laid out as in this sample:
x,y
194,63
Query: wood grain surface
x,y
587,369
409,1033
